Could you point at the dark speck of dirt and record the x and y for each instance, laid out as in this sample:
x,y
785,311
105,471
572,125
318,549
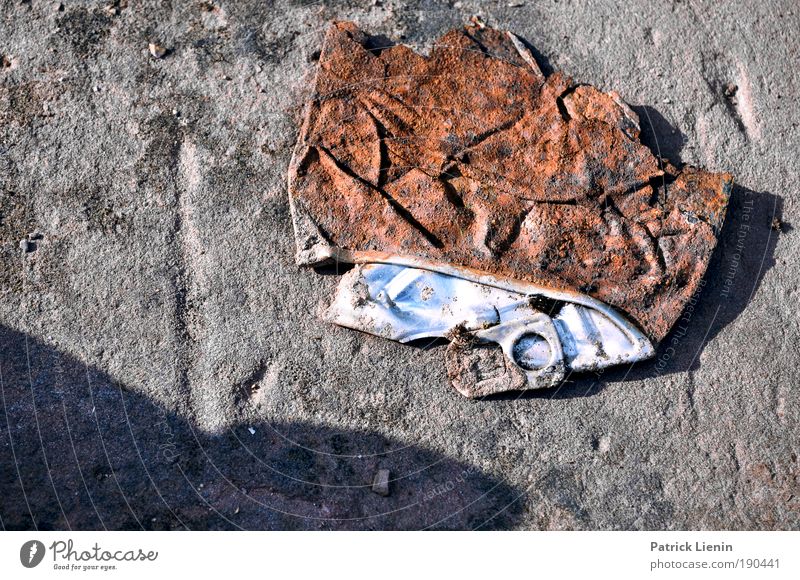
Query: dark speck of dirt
x,y
84,29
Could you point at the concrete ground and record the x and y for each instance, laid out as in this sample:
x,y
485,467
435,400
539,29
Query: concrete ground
x,y
162,363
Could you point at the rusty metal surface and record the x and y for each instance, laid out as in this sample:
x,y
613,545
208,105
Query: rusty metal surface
x,y
471,158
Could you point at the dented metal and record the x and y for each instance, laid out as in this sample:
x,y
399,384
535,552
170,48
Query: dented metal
x,y
520,217
544,333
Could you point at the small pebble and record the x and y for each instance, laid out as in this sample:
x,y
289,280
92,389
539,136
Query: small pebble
x,y
157,50
380,484
730,90
252,431
477,21
26,246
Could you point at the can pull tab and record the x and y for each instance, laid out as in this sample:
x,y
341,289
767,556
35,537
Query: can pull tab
x,y
533,345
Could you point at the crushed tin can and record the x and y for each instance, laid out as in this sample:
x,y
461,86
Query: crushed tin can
x,y
513,213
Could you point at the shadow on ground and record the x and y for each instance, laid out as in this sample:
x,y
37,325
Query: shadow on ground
x,y
81,451
744,254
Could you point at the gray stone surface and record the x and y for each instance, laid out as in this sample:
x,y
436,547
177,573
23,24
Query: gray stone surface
x,y
156,334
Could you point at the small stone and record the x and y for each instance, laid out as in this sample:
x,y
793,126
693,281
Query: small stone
x,y
157,50
252,431
26,246
5,62
730,90
477,22
380,483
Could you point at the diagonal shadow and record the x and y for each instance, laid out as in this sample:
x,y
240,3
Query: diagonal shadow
x,y
81,451
744,254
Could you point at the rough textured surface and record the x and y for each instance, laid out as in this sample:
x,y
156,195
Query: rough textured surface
x,y
162,275
471,157
482,370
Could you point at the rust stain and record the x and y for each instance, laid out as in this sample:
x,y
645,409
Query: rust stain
x,y
471,157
